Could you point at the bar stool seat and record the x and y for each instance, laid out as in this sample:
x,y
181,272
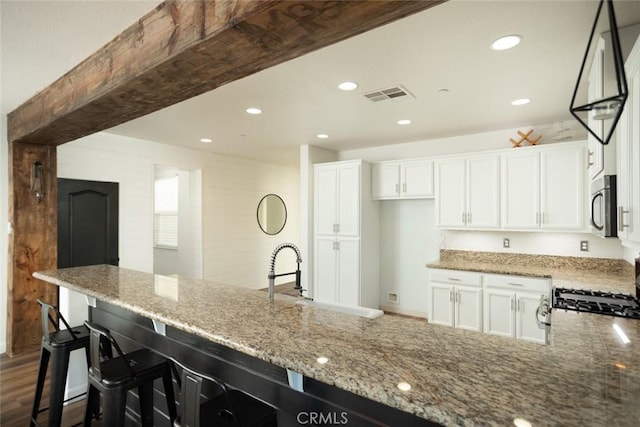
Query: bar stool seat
x,y
229,408
57,346
114,377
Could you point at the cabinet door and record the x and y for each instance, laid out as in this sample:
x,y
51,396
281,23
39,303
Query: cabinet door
x,y
450,197
326,210
349,200
520,191
594,92
624,172
348,251
562,202
483,192
417,179
468,308
325,268
526,327
633,115
441,304
499,312
385,181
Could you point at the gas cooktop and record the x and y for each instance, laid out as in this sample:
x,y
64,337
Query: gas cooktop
x,y
612,304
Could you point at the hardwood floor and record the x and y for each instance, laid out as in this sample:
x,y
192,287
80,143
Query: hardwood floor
x,y
17,386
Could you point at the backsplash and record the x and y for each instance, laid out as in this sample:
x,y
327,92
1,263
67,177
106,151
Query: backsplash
x,y
535,243
548,261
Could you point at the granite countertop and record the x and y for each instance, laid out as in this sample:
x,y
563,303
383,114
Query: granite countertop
x,y
566,272
586,376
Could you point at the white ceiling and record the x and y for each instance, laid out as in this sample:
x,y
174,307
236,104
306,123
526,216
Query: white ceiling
x,y
443,47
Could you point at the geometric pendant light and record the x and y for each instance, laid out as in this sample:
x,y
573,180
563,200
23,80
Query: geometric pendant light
x,y
600,114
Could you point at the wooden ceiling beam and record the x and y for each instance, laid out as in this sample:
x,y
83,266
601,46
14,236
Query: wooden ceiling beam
x,y
185,48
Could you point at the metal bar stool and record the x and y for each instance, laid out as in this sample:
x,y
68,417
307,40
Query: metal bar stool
x,y
56,345
229,408
114,377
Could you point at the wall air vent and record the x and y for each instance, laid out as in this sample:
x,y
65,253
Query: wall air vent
x,y
394,93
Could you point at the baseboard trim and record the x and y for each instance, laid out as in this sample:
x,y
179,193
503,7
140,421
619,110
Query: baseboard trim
x,y
395,309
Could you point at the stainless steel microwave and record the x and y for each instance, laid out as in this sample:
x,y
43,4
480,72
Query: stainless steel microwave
x,y
603,207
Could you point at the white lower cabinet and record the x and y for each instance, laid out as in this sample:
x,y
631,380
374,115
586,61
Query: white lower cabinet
x,y
456,299
340,272
510,304
495,304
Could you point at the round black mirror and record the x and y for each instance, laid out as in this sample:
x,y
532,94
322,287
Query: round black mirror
x,y
272,214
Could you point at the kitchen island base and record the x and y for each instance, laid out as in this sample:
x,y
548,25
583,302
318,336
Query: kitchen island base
x,y
319,404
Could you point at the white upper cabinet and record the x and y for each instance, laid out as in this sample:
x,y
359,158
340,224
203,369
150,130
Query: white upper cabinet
x,y
407,179
595,89
562,189
337,192
628,134
543,188
451,193
468,192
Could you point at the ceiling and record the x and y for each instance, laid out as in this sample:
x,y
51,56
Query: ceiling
x,y
446,47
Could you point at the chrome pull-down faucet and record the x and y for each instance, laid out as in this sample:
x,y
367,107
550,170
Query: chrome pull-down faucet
x,y
272,275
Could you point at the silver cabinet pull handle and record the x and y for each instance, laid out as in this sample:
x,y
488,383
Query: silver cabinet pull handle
x,y
451,296
515,284
621,224
458,296
453,279
397,188
511,304
591,153
404,187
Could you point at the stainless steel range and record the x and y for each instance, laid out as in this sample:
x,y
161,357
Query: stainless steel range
x,y
612,304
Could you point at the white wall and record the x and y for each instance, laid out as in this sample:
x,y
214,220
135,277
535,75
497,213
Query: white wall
x,y
235,249
408,240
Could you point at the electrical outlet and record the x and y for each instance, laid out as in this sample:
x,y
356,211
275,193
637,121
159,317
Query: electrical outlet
x,y
392,297
506,243
584,245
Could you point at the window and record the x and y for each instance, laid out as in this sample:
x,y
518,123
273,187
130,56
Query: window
x,y
165,230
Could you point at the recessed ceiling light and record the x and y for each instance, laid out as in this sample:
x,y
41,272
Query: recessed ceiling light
x,y
443,90
347,85
254,110
206,140
322,136
506,42
404,122
521,101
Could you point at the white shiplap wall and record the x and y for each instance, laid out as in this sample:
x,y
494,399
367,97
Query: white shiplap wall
x,y
232,246
235,250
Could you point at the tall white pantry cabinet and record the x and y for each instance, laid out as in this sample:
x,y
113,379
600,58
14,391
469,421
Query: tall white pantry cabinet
x,y
346,256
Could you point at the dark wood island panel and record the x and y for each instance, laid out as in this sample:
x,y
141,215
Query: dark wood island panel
x,y
319,401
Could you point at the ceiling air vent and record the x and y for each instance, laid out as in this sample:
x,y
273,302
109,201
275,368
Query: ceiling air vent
x,y
395,93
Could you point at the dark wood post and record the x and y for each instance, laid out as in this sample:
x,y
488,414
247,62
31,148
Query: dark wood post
x,y
32,244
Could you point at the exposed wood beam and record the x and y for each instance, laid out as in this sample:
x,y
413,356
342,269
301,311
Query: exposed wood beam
x,y
185,48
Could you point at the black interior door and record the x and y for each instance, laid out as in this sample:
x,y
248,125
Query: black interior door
x,y
87,223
